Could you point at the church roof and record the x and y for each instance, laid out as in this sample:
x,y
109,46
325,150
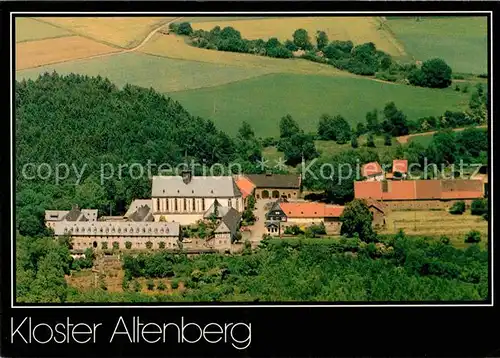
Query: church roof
x,y
198,186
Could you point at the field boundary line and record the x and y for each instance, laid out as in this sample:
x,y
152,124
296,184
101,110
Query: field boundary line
x,y
405,138
119,50
391,36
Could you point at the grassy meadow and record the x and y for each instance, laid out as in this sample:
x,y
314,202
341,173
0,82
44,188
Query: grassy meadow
x,y
28,29
460,41
163,74
262,101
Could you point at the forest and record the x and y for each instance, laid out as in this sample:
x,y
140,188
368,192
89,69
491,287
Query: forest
x,y
396,268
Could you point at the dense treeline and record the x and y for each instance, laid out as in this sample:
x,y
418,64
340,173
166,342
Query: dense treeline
x,y
86,128
394,269
364,59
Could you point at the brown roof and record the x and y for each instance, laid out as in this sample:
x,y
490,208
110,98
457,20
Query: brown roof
x,y
419,190
280,181
376,204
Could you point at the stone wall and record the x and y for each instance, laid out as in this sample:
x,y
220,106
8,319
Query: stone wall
x,y
421,204
275,193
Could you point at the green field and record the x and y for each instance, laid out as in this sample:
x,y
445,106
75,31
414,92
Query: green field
x,y
423,140
262,101
163,74
28,29
461,41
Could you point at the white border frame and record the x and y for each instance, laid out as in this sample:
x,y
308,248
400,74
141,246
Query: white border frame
x,y
220,13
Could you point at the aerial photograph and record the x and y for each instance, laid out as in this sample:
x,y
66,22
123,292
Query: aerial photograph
x,y
254,159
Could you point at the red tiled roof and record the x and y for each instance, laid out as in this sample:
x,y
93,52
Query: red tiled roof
x,y
333,211
376,204
419,189
400,165
303,210
372,168
245,185
311,210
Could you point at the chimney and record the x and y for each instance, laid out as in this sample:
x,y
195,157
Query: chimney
x,y
186,176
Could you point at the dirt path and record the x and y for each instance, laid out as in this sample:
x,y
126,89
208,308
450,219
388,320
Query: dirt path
x,y
119,52
405,138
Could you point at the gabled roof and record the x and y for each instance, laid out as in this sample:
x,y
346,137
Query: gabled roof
x,y
136,204
372,168
141,214
221,210
376,204
55,215
199,186
310,210
73,215
333,211
245,185
419,190
400,165
229,222
279,181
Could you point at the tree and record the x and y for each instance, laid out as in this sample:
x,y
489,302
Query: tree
x,y
473,236
104,245
321,40
395,121
458,208
443,148
299,146
301,39
354,141
116,245
150,285
479,207
245,131
288,127
128,245
360,129
387,139
372,124
237,237
370,142
185,29
161,286
435,73
357,219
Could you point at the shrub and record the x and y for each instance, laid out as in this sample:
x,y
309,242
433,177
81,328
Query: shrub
x,y
458,208
161,245
137,286
485,216
161,286
174,284
387,139
370,141
104,245
473,236
128,245
116,245
149,245
479,207
444,239
150,285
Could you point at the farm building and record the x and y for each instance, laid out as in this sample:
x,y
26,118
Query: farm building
x,y
185,199
303,214
378,211
419,194
276,185
372,171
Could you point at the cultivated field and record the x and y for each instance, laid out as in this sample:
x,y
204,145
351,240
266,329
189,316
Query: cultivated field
x,y
163,74
125,32
436,223
172,46
357,29
28,29
262,101
460,41
43,52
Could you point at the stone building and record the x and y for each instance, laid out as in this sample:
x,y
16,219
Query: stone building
x,y
102,234
419,194
75,214
226,231
276,185
247,188
378,211
185,199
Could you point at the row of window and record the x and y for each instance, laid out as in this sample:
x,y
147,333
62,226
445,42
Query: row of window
x,y
166,205
116,245
118,230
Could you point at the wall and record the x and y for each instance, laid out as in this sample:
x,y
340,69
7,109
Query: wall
x,y
289,193
138,242
421,204
378,218
182,219
193,205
